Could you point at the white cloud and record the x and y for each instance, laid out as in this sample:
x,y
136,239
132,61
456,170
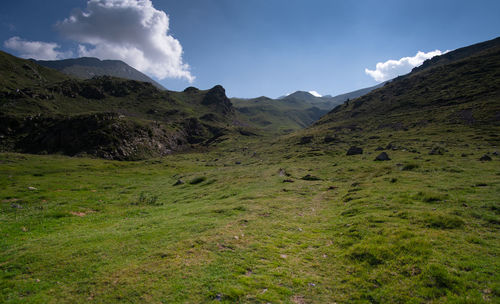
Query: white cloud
x,y
393,68
314,93
35,49
129,30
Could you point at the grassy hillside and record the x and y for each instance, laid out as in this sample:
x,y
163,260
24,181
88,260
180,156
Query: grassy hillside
x,y
278,115
464,91
239,229
339,99
17,73
44,111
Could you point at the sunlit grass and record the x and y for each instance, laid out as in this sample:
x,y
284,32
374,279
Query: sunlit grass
x,y
418,228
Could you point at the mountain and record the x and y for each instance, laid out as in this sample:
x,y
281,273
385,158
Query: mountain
x,y
328,99
292,112
88,67
44,111
278,115
301,95
17,73
354,94
456,91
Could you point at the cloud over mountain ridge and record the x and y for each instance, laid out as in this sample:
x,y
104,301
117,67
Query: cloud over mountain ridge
x,y
393,68
133,31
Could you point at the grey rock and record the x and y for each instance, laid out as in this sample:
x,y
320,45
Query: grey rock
x,y
179,182
354,150
485,158
382,157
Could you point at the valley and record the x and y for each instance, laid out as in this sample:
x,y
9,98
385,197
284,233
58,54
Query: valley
x,y
154,196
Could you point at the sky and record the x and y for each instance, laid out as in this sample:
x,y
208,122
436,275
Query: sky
x,y
251,47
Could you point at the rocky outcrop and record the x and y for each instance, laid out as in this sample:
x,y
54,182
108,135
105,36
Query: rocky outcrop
x,y
105,135
216,96
191,90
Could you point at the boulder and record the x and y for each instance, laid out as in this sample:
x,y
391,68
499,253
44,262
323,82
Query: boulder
x,y
437,151
485,158
382,156
329,139
282,172
354,150
310,177
179,182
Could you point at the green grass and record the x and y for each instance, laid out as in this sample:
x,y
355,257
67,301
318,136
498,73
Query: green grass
x,y
363,232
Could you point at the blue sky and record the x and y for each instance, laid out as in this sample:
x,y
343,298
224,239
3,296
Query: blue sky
x,y
252,47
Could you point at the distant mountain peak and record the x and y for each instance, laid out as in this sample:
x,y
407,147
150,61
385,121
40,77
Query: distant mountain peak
x,y
299,95
315,94
88,67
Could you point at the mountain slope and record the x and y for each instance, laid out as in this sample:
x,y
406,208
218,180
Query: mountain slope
x,y
457,89
292,112
16,73
88,67
44,111
354,94
277,115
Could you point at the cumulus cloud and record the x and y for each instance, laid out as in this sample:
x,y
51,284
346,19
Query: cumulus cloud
x,y
35,49
393,68
129,30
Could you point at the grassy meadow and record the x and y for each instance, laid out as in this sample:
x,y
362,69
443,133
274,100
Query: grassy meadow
x,y
257,220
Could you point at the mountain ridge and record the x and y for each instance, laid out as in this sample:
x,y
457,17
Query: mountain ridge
x,y
455,94
45,111
292,112
88,67
447,81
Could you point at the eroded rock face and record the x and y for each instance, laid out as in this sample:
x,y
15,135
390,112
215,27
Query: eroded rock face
x,y
105,135
110,135
305,140
195,131
92,92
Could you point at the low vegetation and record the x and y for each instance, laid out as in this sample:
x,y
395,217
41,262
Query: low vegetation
x,y
78,230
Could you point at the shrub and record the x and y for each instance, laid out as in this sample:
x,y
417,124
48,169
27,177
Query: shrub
x,y
147,199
